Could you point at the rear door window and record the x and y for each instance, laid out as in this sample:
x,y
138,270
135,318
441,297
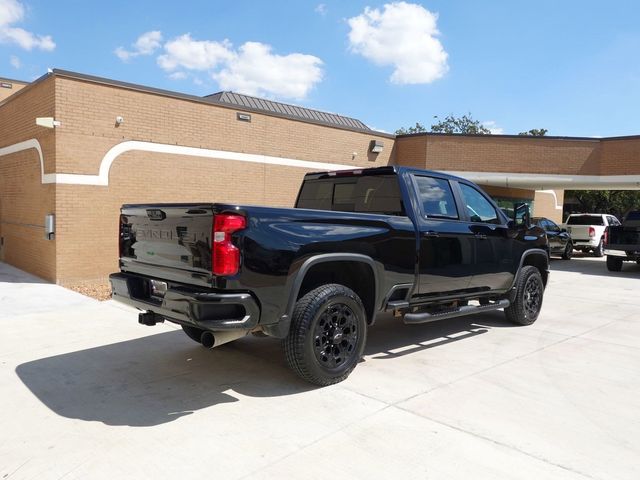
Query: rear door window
x,y
436,197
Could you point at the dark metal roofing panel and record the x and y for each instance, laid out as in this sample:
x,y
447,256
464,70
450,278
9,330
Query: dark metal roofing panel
x,y
292,111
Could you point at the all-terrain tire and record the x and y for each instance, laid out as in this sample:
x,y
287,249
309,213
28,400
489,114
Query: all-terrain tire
x,y
599,250
568,251
192,332
327,335
614,264
527,301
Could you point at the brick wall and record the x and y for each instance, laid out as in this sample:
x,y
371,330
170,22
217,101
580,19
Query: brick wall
x,y
87,216
620,157
502,154
9,87
24,201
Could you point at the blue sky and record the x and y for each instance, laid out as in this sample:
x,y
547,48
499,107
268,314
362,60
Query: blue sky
x,y
572,67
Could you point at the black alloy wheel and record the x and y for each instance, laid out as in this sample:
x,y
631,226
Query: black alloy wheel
x,y
526,303
336,335
532,296
327,335
568,251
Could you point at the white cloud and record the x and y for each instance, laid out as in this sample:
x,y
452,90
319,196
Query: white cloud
x,y
11,12
146,44
191,54
252,69
493,127
15,62
403,35
178,76
321,9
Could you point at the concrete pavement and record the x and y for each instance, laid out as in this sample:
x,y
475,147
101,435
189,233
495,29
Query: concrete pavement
x,y
85,392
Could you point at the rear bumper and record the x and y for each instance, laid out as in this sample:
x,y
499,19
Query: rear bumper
x,y
630,252
208,310
591,243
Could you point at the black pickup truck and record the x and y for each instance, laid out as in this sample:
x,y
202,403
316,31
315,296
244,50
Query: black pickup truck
x,y
623,242
423,245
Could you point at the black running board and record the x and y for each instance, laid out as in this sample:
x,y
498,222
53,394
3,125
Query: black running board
x,y
417,318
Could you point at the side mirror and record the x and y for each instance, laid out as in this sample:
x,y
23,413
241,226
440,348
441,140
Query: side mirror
x,y
521,215
563,230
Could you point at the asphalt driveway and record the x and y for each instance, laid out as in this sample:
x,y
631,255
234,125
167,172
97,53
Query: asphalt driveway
x,y
85,392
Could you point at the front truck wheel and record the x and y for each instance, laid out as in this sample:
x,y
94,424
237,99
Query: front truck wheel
x,y
525,307
327,336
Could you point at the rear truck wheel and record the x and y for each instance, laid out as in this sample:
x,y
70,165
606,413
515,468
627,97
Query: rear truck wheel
x,y
327,336
599,250
193,333
527,302
614,264
568,251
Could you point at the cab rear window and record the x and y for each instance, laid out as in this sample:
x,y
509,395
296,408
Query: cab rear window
x,y
365,194
585,220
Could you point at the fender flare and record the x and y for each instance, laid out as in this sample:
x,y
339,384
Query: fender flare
x,y
294,283
527,253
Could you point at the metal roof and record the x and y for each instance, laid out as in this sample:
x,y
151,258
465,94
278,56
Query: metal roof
x,y
290,111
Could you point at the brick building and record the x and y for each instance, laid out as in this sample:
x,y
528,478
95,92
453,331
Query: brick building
x,y
116,143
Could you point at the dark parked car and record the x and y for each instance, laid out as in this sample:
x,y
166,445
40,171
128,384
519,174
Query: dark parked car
x,y
422,245
560,242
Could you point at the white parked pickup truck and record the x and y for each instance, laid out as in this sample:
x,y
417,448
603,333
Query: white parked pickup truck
x,y
589,231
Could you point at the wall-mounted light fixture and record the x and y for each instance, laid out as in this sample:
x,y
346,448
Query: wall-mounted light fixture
x,y
376,146
47,122
243,117
119,120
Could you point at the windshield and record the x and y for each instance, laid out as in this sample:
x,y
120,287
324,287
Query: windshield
x,y
585,220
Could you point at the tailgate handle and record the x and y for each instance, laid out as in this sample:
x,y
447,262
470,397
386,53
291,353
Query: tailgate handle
x,y
431,234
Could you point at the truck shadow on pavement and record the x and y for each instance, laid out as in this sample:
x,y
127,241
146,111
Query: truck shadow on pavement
x,y
593,266
159,378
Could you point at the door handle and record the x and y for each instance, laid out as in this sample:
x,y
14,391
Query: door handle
x,y
431,234
480,236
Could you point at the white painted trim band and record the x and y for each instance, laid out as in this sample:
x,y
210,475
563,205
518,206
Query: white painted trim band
x,y
26,145
541,182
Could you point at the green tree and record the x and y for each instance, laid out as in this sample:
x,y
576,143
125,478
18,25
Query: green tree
x,y
419,128
615,202
464,125
535,132
450,124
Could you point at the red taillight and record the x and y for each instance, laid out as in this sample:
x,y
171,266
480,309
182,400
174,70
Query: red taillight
x,y
606,236
225,258
592,232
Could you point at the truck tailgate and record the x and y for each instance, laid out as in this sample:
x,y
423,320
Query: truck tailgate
x,y
579,232
171,241
624,238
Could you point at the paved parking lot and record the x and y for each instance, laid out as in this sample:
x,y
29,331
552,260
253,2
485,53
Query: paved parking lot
x,y
85,392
